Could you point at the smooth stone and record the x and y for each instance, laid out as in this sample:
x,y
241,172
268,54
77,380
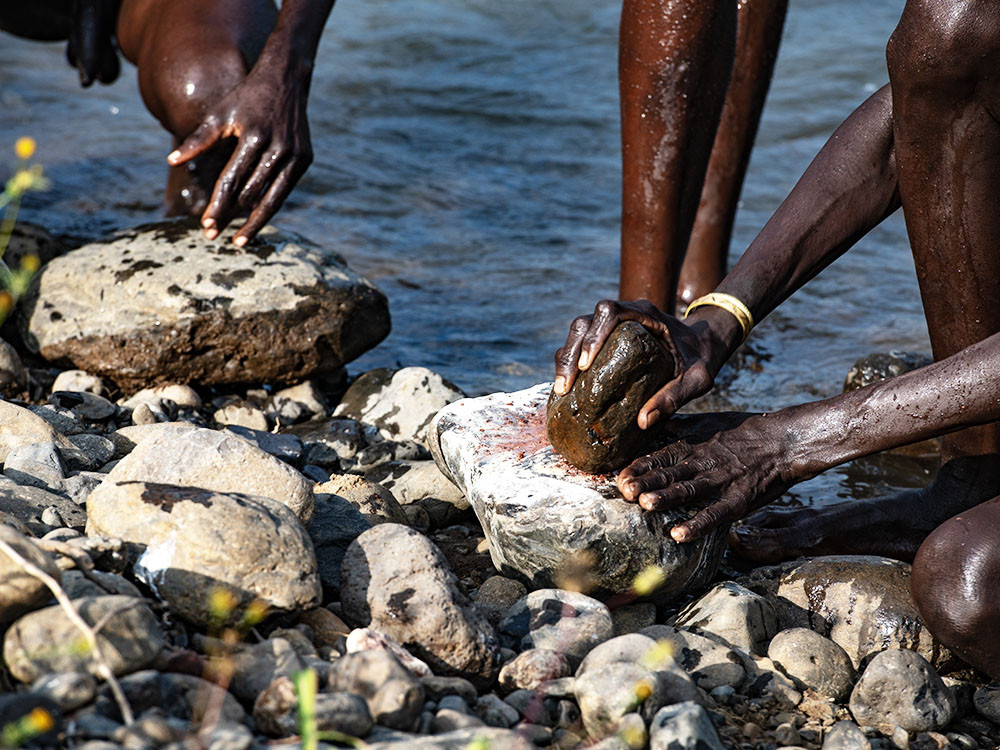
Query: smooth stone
x,y
399,404
397,581
899,687
242,414
326,627
275,711
334,526
20,591
127,309
78,380
422,483
986,701
182,696
846,735
13,376
34,465
497,595
68,690
813,661
254,666
286,447
460,739
217,461
735,614
382,452
438,688
27,504
63,421
557,620
366,639
197,541
860,602
227,736
683,726
710,663
765,680
20,426
327,441
98,449
594,426
42,642
495,712
880,366
532,667
394,696
306,394
86,406
182,396
375,503
77,585
496,451
448,720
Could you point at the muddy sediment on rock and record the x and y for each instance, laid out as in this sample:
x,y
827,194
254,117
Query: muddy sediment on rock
x,y
594,425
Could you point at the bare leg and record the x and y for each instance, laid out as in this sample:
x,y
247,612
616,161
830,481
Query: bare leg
x,y
675,58
954,585
757,40
190,54
943,60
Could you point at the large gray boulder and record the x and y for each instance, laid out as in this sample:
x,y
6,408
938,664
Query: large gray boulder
x,y
217,460
20,591
196,542
161,303
543,517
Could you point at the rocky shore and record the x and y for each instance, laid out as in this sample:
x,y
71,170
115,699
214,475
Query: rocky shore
x,y
256,565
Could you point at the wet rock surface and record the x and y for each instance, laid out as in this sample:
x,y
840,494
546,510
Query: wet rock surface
x,y
160,302
594,425
496,450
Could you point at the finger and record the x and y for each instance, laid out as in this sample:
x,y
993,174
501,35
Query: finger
x,y
679,493
607,315
203,138
659,480
110,65
687,386
257,183
222,205
280,189
704,521
568,356
667,456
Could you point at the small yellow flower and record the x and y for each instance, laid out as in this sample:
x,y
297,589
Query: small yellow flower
x,y
660,654
40,720
633,737
30,263
256,613
27,179
25,147
221,604
643,689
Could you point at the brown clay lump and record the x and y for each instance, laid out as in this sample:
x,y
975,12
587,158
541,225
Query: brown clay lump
x,y
594,425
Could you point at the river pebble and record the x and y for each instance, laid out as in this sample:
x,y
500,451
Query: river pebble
x,y
683,726
21,592
813,661
557,620
532,667
899,687
394,696
733,613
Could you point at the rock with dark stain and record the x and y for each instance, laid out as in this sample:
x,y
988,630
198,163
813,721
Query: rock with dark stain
x,y
396,580
594,425
197,542
160,303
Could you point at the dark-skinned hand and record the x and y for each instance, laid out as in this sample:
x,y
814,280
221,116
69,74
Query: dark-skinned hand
x,y
691,349
732,473
266,112
91,48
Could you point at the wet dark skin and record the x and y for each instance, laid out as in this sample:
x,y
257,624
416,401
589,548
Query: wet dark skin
x,y
929,142
693,76
229,79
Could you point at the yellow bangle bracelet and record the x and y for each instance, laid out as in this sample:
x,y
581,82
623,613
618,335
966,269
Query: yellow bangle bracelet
x,y
730,304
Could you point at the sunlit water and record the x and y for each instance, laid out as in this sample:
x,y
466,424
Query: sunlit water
x,y
467,161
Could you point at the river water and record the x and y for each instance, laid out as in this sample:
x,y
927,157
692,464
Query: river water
x,y
467,161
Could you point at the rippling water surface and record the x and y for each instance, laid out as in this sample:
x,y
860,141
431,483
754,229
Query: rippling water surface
x,y
467,161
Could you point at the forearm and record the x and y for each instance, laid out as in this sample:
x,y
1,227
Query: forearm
x,y
296,35
958,392
847,190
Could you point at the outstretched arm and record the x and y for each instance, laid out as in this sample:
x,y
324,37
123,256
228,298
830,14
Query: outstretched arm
x,y
267,113
847,190
740,469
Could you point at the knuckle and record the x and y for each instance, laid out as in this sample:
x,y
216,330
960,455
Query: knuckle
x,y
606,308
580,325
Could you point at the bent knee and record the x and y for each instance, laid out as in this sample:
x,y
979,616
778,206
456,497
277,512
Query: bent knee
x,y
953,583
944,42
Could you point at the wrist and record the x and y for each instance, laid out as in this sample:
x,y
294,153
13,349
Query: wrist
x,y
719,332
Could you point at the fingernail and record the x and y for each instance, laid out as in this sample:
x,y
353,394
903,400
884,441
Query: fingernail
x,y
240,241
679,534
173,156
584,362
560,385
651,418
211,233
208,222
